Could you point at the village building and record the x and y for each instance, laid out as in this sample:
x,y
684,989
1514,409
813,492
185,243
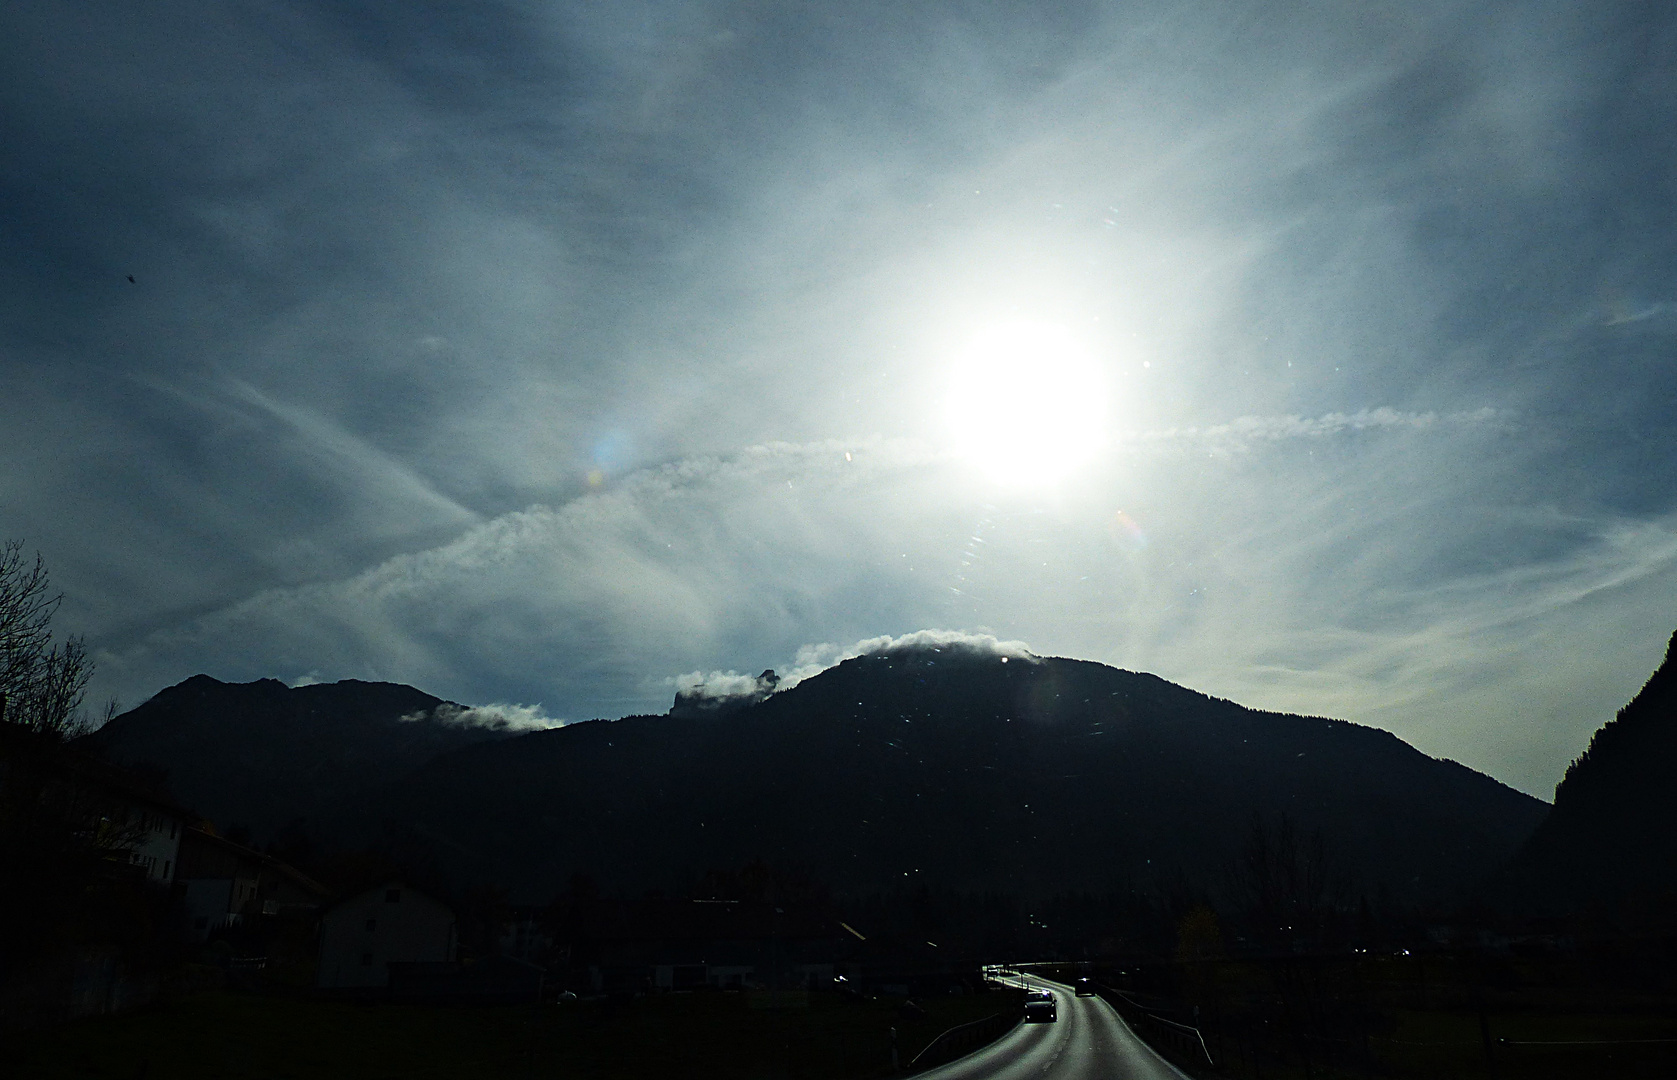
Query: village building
x,y
147,824
76,802
362,934
525,935
133,816
157,831
225,885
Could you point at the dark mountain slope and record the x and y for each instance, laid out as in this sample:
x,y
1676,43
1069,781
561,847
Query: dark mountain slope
x,y
959,768
1612,835
263,753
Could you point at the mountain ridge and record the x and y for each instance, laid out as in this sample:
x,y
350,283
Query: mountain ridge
x,y
261,754
959,767
944,765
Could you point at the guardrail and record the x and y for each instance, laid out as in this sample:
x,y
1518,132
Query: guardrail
x,y
1569,1042
964,1039
1183,1038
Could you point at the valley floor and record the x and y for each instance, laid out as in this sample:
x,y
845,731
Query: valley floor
x,y
1434,1017
226,1035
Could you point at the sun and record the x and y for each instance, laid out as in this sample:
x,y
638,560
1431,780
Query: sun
x,y
1027,403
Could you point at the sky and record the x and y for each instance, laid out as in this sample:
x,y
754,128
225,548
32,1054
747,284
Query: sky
x,y
1315,356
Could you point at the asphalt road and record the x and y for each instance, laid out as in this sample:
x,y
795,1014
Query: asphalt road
x,y
1088,1042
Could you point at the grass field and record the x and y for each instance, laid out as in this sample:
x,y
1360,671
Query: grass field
x,y
1535,1045
1420,1019
232,1036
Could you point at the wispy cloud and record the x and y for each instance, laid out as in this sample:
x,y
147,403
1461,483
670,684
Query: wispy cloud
x,y
1240,435
1334,606
1622,314
582,597
408,340
497,716
375,473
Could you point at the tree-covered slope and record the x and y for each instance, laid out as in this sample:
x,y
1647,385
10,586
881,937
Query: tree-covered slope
x,y
959,768
1611,839
262,753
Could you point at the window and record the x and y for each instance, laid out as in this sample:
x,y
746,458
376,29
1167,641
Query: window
x,y
167,864
372,924
366,959
393,896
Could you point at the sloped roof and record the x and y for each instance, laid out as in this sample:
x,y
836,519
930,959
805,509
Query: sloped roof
x,y
240,851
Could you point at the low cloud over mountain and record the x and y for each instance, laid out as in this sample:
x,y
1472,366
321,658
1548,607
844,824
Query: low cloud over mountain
x,y
262,754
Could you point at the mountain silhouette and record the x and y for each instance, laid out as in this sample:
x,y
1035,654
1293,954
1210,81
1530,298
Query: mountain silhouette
x,y
261,753
1611,839
951,767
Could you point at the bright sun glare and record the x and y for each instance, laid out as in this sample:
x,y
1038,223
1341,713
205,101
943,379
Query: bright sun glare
x,y
1028,403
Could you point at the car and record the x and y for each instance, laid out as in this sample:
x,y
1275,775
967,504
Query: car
x,y
1085,988
1040,1008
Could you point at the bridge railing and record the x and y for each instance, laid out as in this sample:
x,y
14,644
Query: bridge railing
x,y
1184,1039
964,1039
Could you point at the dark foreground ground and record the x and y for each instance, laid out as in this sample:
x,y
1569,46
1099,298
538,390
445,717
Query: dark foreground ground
x,y
1407,1017
234,1036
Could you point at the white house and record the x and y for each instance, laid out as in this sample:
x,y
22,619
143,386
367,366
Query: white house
x,y
394,923
136,820
155,827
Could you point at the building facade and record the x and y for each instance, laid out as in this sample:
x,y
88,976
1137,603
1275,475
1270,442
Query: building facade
x,y
126,813
225,885
394,923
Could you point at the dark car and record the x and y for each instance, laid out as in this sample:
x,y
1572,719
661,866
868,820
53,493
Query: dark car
x,y
1085,988
1040,1008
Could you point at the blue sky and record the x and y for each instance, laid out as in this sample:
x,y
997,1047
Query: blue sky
x,y
549,353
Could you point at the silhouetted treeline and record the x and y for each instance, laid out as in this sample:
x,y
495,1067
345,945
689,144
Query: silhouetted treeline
x,y
1608,849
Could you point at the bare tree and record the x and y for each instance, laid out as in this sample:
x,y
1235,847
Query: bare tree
x,y
1286,882
42,682
26,610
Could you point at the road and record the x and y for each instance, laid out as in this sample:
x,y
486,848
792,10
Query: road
x,y
1088,1042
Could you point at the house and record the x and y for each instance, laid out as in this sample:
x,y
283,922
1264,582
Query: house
x,y
362,934
225,885
148,823
524,935
80,829
131,815
157,829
